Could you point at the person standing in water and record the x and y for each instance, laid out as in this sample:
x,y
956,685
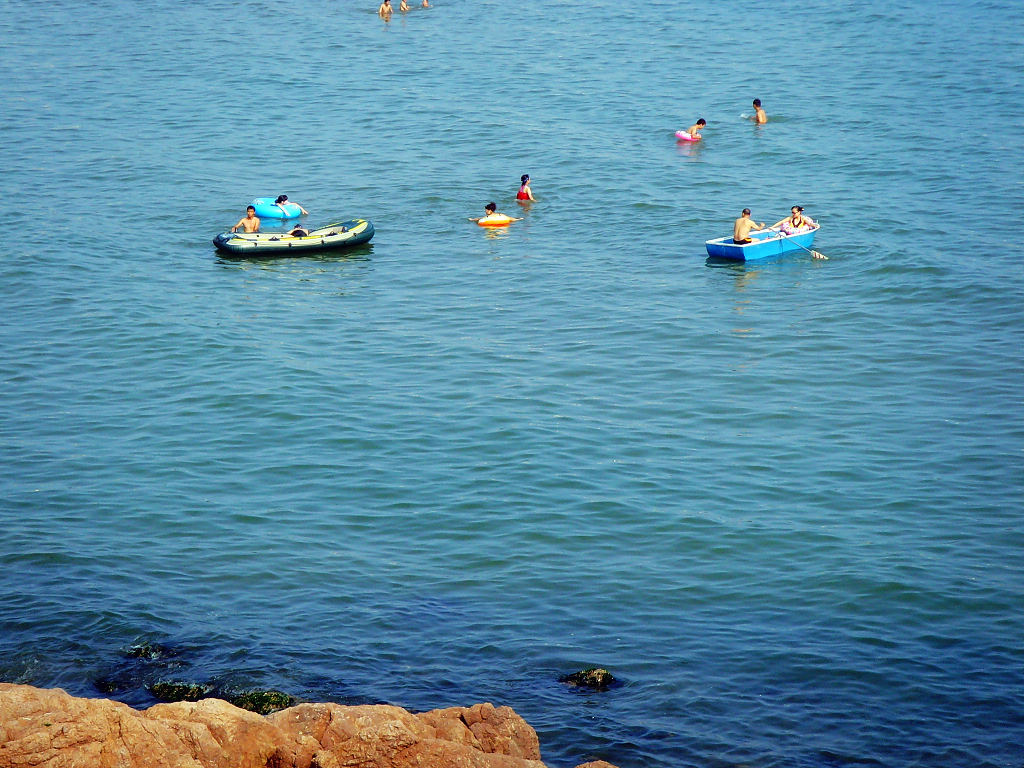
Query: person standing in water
x,y
385,10
759,116
249,222
524,192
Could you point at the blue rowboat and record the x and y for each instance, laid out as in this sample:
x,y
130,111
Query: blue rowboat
x,y
767,243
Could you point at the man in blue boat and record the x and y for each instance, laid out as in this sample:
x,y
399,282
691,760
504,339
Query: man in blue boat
x,y
249,222
741,229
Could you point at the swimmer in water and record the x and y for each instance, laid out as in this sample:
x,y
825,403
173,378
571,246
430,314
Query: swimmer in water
x,y
694,130
282,199
524,192
759,116
249,222
403,7
491,214
385,10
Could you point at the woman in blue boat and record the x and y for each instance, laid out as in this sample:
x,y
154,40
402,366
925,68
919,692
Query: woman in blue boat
x,y
795,222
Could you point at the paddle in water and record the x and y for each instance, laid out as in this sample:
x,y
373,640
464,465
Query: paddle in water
x,y
814,254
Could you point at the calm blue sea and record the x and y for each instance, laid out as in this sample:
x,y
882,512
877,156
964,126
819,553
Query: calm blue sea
x,y
781,502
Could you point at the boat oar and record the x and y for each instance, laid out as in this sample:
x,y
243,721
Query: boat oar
x,y
814,254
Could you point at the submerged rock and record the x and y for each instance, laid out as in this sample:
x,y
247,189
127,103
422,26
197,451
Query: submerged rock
x,y
149,650
595,677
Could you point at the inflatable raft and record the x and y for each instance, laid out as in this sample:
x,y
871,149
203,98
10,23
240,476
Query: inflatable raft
x,y
266,208
343,234
681,135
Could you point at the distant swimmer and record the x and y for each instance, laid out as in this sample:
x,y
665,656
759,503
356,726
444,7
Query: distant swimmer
x,y
795,222
524,192
425,4
403,7
282,199
693,132
385,10
759,116
492,218
249,222
741,229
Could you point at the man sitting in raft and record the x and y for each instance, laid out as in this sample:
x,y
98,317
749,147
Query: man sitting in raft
x,y
493,215
249,223
299,232
694,130
741,229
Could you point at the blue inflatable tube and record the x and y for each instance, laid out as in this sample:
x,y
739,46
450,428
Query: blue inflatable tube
x,y
266,208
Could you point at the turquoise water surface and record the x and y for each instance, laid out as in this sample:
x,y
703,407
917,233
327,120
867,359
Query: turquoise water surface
x,y
781,501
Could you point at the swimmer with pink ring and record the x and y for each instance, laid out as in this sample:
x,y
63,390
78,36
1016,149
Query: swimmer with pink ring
x,y
693,132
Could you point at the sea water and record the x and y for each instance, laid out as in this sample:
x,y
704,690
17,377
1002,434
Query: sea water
x,y
781,502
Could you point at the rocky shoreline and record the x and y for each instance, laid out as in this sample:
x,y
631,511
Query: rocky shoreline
x,y
47,728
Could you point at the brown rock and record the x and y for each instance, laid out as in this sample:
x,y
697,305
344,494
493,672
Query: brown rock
x,y
50,729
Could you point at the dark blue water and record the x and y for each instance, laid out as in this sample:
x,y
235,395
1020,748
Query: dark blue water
x,y
781,502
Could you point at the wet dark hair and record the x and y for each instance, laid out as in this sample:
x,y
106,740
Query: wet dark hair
x,y
798,207
525,178
757,102
250,208
702,121
746,211
281,199
490,207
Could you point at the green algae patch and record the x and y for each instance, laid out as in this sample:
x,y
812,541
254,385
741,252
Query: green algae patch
x,y
177,691
261,702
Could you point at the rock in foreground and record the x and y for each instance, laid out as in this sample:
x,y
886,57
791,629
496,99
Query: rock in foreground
x,y
50,729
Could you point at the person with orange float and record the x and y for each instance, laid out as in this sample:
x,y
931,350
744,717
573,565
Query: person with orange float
x,y
494,219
